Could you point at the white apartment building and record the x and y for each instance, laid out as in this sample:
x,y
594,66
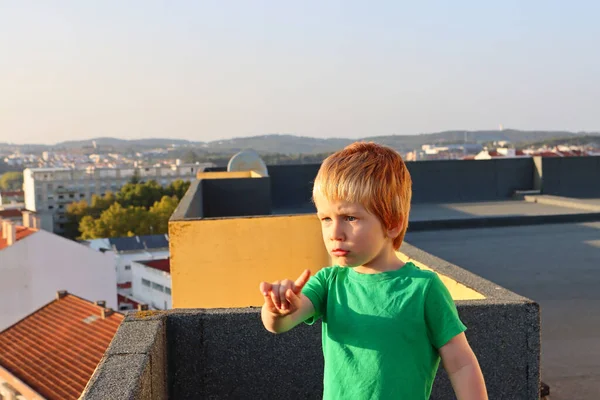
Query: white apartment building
x,y
124,252
151,283
48,191
35,264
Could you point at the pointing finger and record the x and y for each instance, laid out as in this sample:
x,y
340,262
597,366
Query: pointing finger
x,y
301,281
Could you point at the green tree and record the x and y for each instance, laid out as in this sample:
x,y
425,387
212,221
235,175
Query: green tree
x,y
177,188
160,213
140,194
137,209
11,181
136,177
78,210
117,221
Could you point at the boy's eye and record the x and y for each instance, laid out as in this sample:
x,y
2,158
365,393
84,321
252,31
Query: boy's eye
x,y
326,219
350,218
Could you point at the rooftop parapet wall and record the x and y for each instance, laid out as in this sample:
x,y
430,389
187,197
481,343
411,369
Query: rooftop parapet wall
x,y
569,176
224,194
439,181
447,181
227,353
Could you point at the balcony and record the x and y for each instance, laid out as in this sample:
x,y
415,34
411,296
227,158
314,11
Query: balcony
x,y
225,237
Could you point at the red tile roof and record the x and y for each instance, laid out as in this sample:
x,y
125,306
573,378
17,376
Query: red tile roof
x,y
163,265
11,213
22,233
7,193
56,349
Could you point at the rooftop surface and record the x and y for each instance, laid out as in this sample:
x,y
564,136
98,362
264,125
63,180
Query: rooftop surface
x,y
135,243
421,212
555,265
55,350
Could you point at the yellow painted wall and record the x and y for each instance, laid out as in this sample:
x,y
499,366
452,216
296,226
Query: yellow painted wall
x,y
456,289
220,262
226,175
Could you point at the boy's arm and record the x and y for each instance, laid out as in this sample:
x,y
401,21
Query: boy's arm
x,y
285,306
277,323
463,369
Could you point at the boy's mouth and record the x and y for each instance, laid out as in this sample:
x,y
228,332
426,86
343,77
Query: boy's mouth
x,y
339,252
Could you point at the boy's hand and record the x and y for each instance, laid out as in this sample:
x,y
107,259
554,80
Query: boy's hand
x,y
281,297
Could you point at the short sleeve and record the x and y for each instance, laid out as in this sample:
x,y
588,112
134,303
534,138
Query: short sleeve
x,y
316,291
443,322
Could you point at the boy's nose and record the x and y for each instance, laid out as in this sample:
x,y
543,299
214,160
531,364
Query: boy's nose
x,y
336,233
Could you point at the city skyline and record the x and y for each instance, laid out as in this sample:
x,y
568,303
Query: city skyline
x,y
205,71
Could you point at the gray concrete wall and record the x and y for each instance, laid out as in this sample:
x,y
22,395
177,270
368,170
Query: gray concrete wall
x,y
235,197
291,185
227,353
571,176
448,181
135,364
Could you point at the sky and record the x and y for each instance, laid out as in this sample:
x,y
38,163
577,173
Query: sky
x,y
210,70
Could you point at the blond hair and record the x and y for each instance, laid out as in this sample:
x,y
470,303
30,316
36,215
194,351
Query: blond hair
x,y
372,175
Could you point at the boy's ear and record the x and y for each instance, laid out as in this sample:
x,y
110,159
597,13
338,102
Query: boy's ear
x,y
394,230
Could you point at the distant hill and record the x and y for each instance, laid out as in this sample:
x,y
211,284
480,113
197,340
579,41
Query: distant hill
x,y
113,142
288,144
291,144
582,140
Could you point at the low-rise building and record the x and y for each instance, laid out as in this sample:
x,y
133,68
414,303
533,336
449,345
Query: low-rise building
x,y
124,251
34,264
151,283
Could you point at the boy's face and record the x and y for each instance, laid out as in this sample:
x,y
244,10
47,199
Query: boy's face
x,y
352,235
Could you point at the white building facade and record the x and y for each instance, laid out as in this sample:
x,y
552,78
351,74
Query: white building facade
x,y
35,267
151,283
48,191
124,252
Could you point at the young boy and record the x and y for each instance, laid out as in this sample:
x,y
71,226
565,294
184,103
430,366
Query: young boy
x,y
385,323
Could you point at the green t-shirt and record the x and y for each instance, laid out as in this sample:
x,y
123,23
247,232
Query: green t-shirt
x,y
381,331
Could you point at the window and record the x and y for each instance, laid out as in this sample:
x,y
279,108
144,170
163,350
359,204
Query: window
x,y
158,287
167,290
71,196
61,206
81,195
50,207
145,282
127,267
60,196
50,186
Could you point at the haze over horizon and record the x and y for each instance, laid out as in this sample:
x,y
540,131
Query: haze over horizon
x,y
206,71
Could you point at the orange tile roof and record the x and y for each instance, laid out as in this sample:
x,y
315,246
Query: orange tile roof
x,y
56,349
22,232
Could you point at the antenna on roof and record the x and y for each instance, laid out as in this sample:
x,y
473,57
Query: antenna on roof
x,y
247,160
